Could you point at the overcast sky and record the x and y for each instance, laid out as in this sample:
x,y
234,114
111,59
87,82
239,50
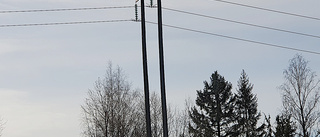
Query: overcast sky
x,y
46,71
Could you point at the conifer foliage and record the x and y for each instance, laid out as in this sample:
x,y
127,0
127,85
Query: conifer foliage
x,y
214,112
285,127
247,114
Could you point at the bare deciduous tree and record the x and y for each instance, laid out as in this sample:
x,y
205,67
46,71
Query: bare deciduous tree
x,y
300,96
1,126
177,120
156,115
109,110
113,110
181,122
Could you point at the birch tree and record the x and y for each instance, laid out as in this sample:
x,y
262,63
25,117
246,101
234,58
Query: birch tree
x,y
110,108
300,95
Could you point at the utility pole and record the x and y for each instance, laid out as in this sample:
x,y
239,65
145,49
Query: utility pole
x,y
162,76
145,70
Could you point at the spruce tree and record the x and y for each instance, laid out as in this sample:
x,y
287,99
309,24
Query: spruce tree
x,y
213,115
285,127
268,131
247,114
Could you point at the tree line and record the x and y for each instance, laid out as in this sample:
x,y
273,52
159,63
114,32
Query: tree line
x,y
113,109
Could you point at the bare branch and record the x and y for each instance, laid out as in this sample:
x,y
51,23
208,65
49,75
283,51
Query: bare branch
x,y
301,94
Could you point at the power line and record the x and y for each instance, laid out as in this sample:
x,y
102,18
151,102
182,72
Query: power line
x,y
181,11
270,10
243,23
171,26
61,23
240,39
65,9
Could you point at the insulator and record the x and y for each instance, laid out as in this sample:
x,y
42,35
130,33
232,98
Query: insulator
x,y
136,11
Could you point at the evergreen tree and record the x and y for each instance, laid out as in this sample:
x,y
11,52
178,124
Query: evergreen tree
x,y
285,127
213,115
268,127
247,114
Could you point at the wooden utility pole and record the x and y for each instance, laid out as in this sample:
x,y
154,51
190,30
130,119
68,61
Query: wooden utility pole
x,y
162,76
145,70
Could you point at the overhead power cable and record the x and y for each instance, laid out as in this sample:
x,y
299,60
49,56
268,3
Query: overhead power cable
x,y
239,39
171,26
270,10
238,22
61,23
66,9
